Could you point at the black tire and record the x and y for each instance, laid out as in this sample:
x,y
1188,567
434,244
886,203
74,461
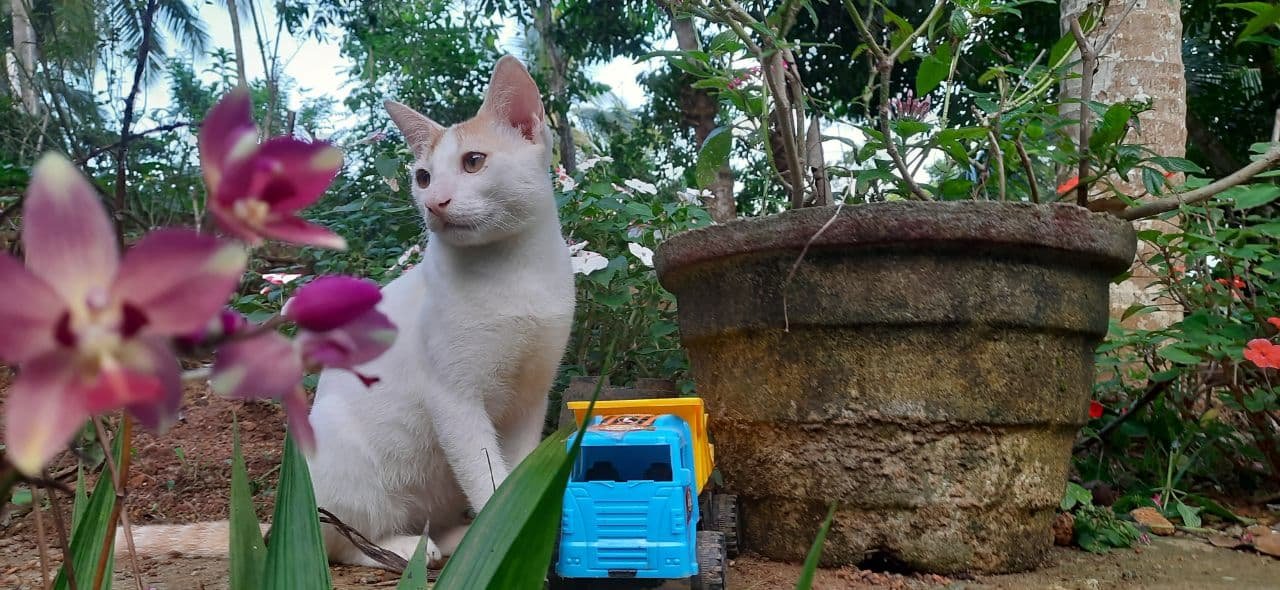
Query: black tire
x,y
713,564
725,517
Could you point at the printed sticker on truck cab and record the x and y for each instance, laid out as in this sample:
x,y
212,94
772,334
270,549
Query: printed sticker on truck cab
x,y
625,422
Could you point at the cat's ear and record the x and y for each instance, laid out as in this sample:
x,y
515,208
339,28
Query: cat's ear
x,y
513,98
419,131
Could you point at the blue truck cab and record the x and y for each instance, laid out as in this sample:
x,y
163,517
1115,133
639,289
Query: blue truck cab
x,y
633,507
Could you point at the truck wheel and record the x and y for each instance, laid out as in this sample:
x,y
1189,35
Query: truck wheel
x,y
713,564
725,518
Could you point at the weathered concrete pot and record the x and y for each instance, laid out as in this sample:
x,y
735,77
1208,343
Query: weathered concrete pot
x,y
937,368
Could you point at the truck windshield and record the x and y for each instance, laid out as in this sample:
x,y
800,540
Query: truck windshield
x,y
623,463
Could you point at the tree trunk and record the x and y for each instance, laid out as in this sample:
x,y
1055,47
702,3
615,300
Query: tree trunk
x,y
544,22
700,110
1142,61
24,49
234,12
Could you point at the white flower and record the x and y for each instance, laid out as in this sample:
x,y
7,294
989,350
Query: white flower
x,y
641,186
621,189
635,231
585,262
567,183
575,248
276,278
416,249
394,183
589,162
645,255
657,234
693,197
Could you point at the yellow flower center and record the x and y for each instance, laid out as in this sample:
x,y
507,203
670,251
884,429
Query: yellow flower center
x,y
253,212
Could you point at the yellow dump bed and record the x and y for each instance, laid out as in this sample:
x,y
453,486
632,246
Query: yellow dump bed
x,y
688,408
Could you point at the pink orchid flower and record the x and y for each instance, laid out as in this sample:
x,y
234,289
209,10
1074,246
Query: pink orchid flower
x,y
90,330
338,326
256,190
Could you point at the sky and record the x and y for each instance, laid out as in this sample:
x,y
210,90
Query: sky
x,y
318,67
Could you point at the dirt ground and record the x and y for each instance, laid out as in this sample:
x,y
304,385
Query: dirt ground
x,y
183,477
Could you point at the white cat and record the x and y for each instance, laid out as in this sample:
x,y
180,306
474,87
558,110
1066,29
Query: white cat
x,y
483,320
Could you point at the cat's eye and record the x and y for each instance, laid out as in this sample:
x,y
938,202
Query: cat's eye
x,y
473,161
422,177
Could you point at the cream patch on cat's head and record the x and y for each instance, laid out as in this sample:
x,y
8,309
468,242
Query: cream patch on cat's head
x,y
485,179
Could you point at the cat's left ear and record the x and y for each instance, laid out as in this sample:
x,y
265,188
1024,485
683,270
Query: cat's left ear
x,y
513,98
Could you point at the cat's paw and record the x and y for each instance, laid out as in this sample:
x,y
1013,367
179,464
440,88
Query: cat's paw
x,y
406,546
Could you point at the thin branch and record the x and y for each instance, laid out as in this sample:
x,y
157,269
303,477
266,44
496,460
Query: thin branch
x,y
928,21
118,512
139,68
1153,208
104,149
1106,37
999,156
886,68
786,320
1152,391
1026,165
42,538
63,541
1089,62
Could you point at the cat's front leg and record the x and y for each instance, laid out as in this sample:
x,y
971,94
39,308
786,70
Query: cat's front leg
x,y
470,444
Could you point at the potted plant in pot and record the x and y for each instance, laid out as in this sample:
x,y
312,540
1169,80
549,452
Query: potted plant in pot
x,y
915,345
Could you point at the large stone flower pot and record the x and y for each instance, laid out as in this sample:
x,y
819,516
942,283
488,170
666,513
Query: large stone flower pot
x,y
928,374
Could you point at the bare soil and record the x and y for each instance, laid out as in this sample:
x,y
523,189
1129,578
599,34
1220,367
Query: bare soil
x,y
184,476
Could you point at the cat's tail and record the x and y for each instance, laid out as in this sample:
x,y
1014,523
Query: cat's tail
x,y
200,539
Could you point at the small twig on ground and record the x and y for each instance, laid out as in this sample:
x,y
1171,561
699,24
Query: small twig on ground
x,y
786,319
361,542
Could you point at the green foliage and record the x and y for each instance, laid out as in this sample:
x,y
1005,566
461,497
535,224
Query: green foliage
x,y
415,574
248,553
91,530
509,545
1202,421
1098,530
815,551
295,557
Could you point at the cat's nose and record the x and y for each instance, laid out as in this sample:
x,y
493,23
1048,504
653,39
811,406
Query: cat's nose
x,y
437,205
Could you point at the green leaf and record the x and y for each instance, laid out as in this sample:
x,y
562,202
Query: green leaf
x,y
81,503
1260,23
1190,516
248,553
1112,127
509,545
641,210
388,167
1254,195
1178,355
415,575
726,41
91,533
296,557
815,552
21,497
933,70
1177,164
713,155
1076,495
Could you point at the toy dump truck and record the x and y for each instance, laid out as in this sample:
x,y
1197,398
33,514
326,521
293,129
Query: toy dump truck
x,y
638,506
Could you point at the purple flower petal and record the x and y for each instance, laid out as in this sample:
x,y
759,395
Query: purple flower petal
x,y
302,172
227,135
297,231
46,406
154,359
355,343
179,279
296,411
68,238
264,366
329,302
29,311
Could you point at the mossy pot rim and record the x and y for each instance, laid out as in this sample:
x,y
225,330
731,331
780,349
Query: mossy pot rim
x,y
1097,238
